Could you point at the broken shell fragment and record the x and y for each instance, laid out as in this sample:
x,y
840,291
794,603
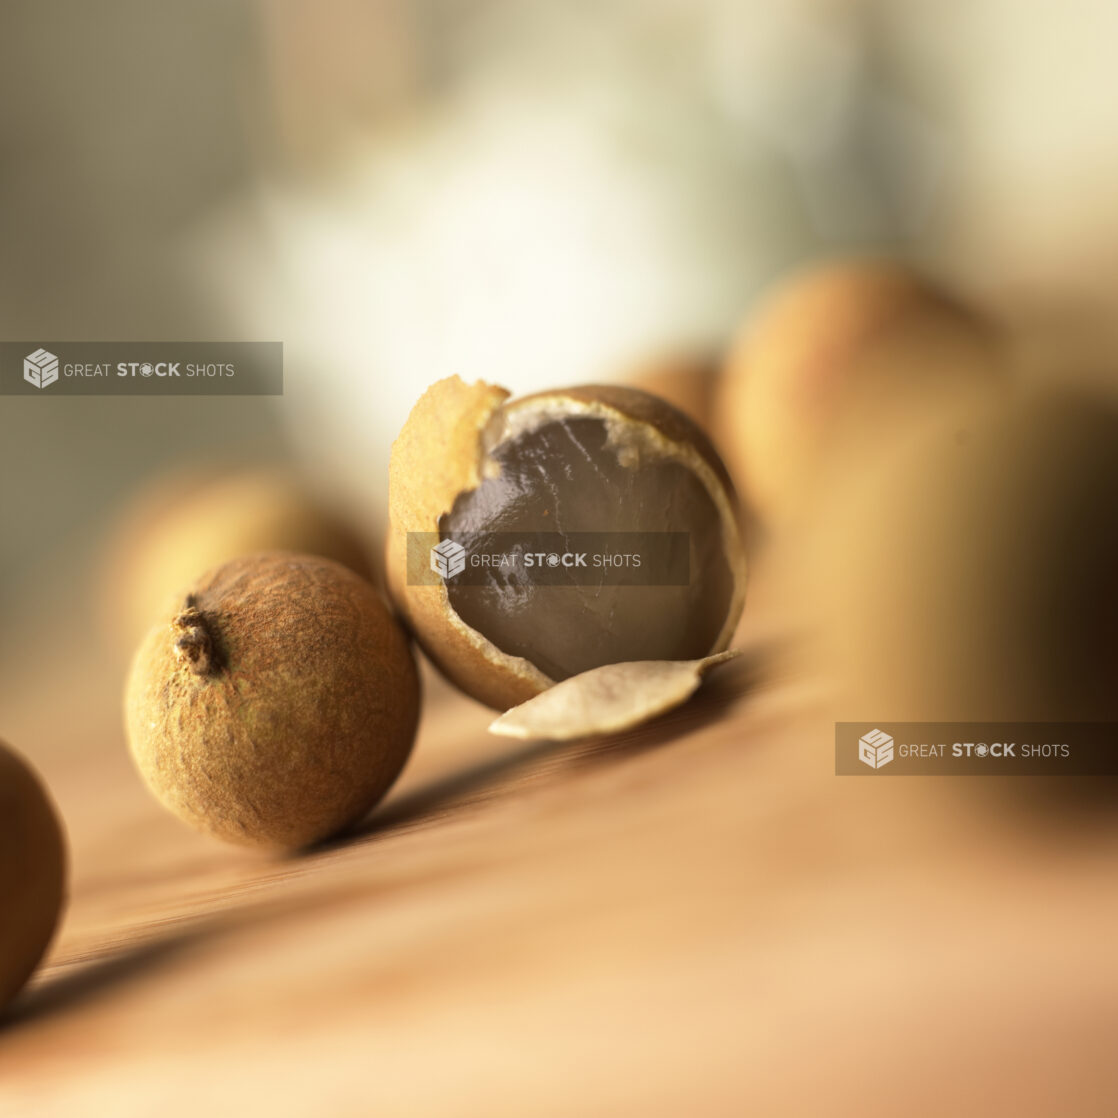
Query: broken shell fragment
x,y
607,699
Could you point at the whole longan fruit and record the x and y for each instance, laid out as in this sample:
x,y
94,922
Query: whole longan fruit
x,y
834,356
686,379
972,575
32,872
277,705
195,518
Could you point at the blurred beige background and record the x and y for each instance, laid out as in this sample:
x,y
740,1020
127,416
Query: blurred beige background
x,y
532,192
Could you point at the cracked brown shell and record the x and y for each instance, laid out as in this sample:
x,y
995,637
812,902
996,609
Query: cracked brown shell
x,y
278,705
32,872
448,448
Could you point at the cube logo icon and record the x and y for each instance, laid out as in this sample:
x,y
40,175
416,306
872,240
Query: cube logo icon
x,y
448,558
875,749
40,368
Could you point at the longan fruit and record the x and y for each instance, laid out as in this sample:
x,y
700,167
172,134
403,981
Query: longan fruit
x,y
971,576
471,462
194,519
32,872
686,379
277,705
835,355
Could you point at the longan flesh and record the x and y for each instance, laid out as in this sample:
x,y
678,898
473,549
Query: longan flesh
x,y
32,873
565,476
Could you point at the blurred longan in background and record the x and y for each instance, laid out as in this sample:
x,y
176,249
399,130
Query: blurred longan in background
x,y
686,378
969,572
834,355
187,522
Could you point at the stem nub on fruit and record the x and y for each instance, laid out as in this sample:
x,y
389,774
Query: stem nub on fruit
x,y
194,642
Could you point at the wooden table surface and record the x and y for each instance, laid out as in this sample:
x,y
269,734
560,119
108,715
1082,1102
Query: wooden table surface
x,y
696,918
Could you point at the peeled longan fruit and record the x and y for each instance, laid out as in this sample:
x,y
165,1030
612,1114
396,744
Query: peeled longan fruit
x,y
972,575
832,357
277,705
32,872
471,462
191,521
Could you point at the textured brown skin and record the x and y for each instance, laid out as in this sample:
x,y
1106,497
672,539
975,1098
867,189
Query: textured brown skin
x,y
434,459
32,873
192,520
830,342
302,715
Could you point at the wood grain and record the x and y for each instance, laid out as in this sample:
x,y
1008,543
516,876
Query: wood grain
x,y
693,918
